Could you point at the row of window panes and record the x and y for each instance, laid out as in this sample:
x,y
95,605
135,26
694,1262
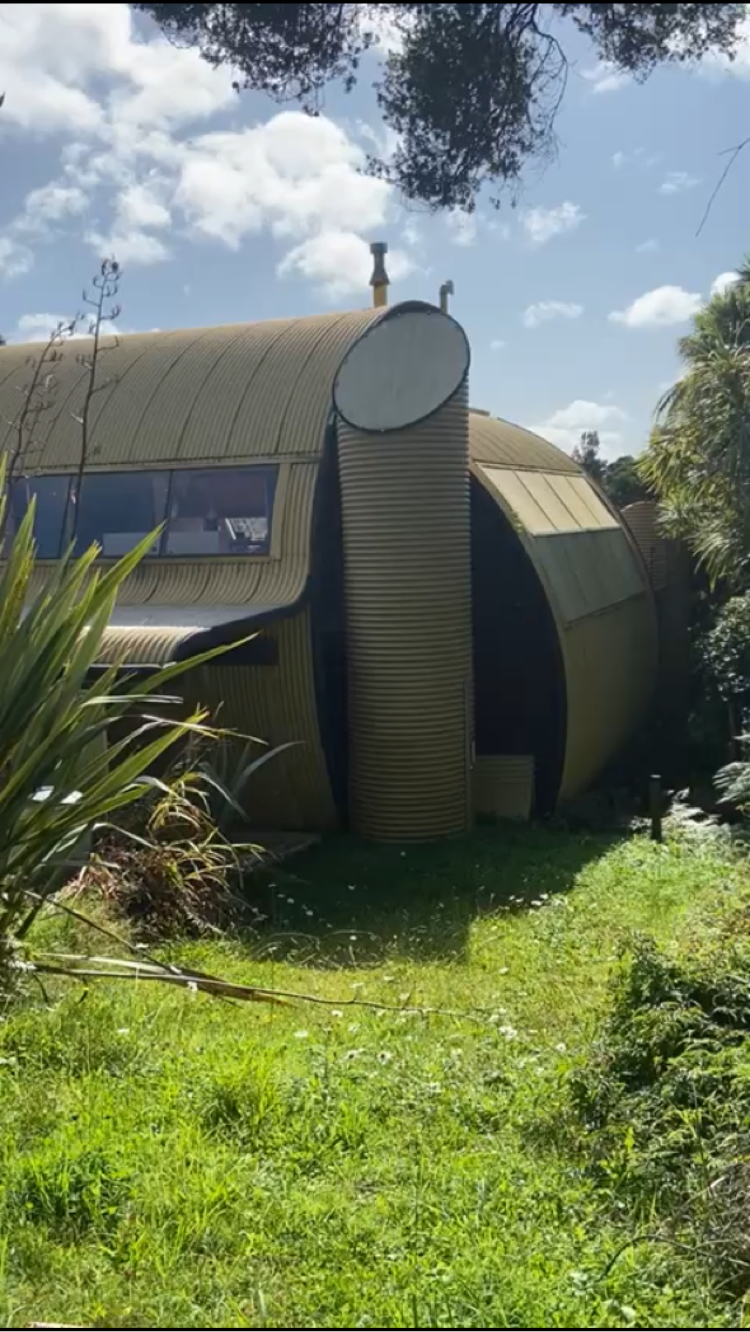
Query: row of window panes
x,y
216,511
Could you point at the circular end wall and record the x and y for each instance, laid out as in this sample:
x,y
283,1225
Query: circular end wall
x,y
401,398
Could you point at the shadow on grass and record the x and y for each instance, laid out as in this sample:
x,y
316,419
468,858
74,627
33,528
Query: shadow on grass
x,y
347,903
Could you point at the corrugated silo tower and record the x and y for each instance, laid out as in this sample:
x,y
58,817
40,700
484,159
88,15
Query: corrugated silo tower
x,y
401,399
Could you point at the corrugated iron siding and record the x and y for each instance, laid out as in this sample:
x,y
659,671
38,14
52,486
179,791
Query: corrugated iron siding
x,y
668,565
212,395
405,507
596,586
641,518
502,444
275,704
217,396
610,672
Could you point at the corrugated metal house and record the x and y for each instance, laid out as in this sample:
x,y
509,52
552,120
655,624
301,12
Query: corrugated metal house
x,y
450,619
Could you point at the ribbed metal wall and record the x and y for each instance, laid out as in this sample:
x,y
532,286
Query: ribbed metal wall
x,y
405,509
275,704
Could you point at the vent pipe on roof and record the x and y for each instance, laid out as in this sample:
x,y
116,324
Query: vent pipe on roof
x,y
379,280
446,290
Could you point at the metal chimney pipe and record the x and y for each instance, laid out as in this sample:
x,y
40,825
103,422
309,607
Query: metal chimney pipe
x,y
379,280
446,290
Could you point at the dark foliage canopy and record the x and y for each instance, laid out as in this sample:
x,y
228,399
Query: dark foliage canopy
x,y
470,90
620,479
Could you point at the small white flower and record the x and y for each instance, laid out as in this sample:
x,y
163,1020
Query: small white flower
x,y
503,971
301,1035
123,1031
358,985
352,887
508,1032
353,1054
385,1057
308,912
404,997
352,938
290,901
336,1012
561,1047
353,1026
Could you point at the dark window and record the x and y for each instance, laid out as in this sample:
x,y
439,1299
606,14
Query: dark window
x,y
119,509
51,496
216,511
221,511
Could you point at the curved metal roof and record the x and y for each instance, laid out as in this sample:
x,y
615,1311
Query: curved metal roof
x,y
501,444
219,395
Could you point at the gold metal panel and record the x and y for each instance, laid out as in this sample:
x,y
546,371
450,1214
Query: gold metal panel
x,y
586,572
273,415
610,668
502,444
547,502
525,507
405,509
276,704
599,515
190,395
504,785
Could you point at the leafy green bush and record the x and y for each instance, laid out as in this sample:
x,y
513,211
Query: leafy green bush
x,y
54,724
665,1099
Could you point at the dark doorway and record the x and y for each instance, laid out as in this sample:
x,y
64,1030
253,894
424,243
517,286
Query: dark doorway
x,y
519,680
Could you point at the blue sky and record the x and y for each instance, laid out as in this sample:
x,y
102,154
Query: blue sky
x,y
224,209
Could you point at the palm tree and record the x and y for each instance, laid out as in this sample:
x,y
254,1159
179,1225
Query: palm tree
x,y
698,459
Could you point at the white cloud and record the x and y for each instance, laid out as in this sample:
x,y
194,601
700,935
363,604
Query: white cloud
x,y
340,263
139,210
54,57
140,206
636,157
497,344
565,426
51,203
462,226
543,311
542,224
675,182
15,259
648,246
123,104
36,327
604,77
132,248
659,308
723,282
39,327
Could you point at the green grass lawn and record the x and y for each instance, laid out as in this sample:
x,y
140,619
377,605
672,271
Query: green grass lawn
x,y
168,1160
